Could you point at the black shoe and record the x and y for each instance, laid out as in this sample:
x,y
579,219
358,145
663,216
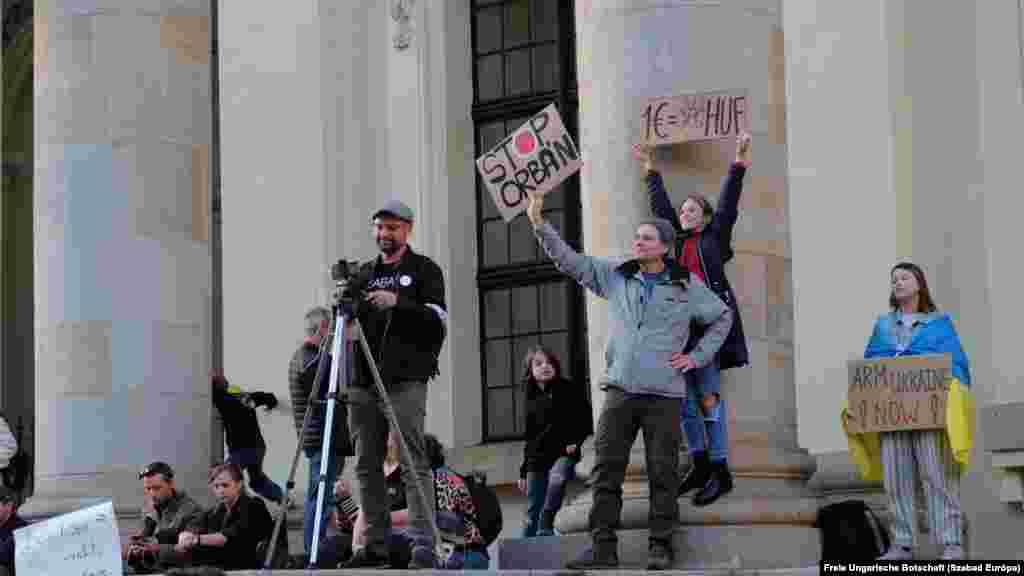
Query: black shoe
x,y
366,558
595,558
659,557
719,484
697,476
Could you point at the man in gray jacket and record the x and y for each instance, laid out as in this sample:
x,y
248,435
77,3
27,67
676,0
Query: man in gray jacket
x,y
651,303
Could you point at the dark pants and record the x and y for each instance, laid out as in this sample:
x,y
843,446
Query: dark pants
x,y
251,460
545,490
622,416
369,426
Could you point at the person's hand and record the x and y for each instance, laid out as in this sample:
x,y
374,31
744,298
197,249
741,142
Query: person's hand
x,y
571,449
521,484
187,540
644,153
533,210
681,361
382,299
342,488
265,399
743,149
708,402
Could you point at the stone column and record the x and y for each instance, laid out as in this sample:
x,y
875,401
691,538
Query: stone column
x,y
122,261
632,49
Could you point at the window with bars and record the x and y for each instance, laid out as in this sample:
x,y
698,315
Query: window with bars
x,y
523,59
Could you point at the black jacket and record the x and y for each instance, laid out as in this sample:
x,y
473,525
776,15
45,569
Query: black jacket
x,y
715,251
406,339
241,428
245,526
555,418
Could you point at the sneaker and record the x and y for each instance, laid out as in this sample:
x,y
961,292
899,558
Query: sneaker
x,y
952,552
897,553
366,558
659,557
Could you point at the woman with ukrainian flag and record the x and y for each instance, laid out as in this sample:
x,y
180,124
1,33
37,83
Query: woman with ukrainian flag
x,y
915,326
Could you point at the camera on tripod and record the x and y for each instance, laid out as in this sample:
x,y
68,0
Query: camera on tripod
x,y
342,273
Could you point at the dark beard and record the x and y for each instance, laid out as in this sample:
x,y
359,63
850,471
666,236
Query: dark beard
x,y
388,248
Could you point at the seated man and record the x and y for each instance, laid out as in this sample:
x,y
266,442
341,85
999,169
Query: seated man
x,y
169,512
228,536
9,522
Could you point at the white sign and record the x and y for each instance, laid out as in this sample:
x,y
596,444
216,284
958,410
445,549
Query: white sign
x,y
82,543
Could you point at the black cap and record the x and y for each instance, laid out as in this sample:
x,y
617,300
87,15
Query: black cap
x,y
161,468
7,495
394,208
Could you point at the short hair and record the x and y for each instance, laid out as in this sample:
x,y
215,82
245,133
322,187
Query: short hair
x,y
157,468
232,469
314,318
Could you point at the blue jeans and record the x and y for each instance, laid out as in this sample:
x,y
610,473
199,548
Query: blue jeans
x,y
309,513
403,539
696,424
251,460
545,491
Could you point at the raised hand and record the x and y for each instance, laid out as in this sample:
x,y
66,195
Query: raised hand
x,y
743,149
533,210
644,153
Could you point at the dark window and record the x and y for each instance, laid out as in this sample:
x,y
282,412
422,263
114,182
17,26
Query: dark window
x,y
523,60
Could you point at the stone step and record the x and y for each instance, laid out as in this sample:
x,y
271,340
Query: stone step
x,y
699,548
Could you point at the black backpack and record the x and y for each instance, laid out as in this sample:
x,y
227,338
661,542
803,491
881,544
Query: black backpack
x,y
488,508
850,531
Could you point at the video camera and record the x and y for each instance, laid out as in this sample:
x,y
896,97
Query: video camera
x,y
342,273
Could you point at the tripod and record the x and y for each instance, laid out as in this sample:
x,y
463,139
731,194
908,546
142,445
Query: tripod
x,y
344,317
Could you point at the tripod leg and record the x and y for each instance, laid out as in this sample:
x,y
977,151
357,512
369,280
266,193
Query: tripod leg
x,y
339,364
314,397
441,549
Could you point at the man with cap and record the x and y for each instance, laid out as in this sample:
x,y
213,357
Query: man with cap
x,y
9,522
651,303
403,315
167,513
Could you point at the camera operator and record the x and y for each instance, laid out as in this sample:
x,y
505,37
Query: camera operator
x,y
400,303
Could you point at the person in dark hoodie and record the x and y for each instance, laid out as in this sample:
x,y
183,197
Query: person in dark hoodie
x,y
9,522
704,246
558,420
246,446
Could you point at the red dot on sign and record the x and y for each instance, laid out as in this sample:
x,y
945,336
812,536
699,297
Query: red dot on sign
x,y
525,143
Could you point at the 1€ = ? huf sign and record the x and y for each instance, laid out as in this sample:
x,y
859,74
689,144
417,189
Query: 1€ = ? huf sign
x,y
537,156
695,117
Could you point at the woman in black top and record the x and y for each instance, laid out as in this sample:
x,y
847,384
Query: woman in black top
x,y
228,535
558,420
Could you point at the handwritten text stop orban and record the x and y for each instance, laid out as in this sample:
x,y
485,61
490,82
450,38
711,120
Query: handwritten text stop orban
x,y
695,117
903,393
82,543
538,156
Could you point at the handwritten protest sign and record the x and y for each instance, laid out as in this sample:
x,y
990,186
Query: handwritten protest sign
x,y
903,393
82,543
695,117
539,155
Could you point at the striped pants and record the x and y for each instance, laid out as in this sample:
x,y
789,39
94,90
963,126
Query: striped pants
x,y
927,452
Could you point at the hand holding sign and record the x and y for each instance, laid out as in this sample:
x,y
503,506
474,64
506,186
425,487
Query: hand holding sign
x,y
743,149
533,211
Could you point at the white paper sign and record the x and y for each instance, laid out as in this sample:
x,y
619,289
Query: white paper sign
x,y
82,543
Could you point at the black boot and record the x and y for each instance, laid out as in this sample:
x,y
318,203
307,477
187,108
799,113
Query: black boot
x,y
596,557
719,484
697,476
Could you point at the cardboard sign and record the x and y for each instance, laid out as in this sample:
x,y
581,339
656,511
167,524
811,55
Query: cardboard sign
x,y
903,393
82,543
695,117
539,155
